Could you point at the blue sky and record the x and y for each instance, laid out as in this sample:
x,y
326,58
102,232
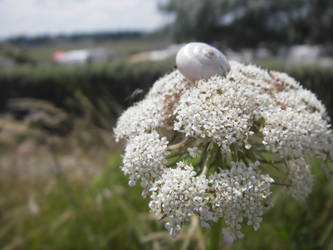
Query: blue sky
x,y
34,17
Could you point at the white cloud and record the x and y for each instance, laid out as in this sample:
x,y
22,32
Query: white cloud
x,y
31,17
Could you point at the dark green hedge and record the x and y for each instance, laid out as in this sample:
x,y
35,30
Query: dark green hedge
x,y
118,80
58,84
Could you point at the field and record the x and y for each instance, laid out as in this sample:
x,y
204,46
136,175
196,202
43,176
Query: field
x,y
60,180
71,194
123,48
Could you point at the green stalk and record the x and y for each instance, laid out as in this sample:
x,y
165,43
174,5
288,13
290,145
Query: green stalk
x,y
215,235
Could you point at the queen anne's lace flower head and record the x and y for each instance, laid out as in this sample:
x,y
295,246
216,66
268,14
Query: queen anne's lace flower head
x,y
239,195
196,147
144,159
300,178
178,194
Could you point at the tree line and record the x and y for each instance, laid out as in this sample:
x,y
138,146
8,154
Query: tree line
x,y
249,23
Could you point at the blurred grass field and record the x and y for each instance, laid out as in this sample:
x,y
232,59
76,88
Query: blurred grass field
x,y
104,213
60,180
68,192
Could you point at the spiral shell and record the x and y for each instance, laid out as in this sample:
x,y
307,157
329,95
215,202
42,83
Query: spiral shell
x,y
200,61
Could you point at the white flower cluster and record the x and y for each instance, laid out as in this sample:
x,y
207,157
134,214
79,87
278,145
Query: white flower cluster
x,y
155,110
235,195
178,194
207,123
300,178
226,108
239,194
145,158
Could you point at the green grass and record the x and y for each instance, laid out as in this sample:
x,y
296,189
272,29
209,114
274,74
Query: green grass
x,y
100,214
105,213
121,47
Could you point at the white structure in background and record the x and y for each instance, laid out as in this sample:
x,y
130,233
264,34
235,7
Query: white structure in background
x,y
74,57
71,57
157,55
304,53
248,55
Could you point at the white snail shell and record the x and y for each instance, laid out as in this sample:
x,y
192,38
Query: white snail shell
x,y
200,61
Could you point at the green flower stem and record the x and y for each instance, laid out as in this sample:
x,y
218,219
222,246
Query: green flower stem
x,y
251,155
205,167
203,156
176,153
179,145
173,162
210,155
215,235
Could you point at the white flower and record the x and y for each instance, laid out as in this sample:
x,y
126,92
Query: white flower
x,y
140,118
145,158
194,151
300,177
217,108
225,109
209,122
239,194
155,110
178,194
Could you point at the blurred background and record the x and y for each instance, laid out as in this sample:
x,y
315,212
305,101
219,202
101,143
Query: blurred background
x,y
68,68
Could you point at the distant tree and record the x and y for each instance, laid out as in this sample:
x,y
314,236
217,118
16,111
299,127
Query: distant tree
x,y
194,19
250,22
320,19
